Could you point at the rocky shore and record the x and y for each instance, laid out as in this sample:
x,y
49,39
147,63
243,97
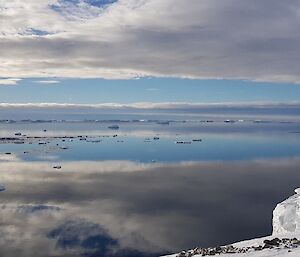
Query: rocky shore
x,y
275,243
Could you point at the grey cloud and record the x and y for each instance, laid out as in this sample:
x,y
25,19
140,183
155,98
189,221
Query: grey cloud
x,y
255,40
145,110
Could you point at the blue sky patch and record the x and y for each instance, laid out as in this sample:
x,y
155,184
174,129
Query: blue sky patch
x,y
83,9
100,3
84,235
39,32
36,32
92,240
62,4
148,90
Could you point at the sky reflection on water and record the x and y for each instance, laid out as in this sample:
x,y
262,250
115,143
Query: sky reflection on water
x,y
136,142
111,199
120,207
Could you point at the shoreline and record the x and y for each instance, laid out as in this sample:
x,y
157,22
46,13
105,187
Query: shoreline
x,y
284,241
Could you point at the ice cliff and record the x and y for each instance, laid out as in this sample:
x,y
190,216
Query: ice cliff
x,y
286,216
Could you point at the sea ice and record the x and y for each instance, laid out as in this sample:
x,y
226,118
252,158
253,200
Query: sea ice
x,y
286,215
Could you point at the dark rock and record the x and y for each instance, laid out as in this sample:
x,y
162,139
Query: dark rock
x,y
273,242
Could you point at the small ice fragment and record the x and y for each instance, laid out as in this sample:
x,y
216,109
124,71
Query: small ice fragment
x,y
113,127
197,140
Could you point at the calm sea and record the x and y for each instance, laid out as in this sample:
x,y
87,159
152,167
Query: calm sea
x,y
150,187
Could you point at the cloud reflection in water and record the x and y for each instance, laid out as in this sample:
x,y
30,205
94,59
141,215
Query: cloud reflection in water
x,y
124,208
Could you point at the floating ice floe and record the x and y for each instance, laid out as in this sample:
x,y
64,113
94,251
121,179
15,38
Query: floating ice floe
x,y
183,142
113,127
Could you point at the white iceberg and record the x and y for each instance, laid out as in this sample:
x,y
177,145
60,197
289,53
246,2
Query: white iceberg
x,y
286,216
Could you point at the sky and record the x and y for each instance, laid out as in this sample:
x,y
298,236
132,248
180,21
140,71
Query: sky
x,y
157,90
129,51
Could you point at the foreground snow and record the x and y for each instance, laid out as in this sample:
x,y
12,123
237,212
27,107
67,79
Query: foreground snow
x,y
285,240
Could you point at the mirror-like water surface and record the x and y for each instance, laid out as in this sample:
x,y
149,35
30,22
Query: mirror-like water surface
x,y
145,189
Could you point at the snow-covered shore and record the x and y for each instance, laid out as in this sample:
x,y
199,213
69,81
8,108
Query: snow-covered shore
x,y
284,241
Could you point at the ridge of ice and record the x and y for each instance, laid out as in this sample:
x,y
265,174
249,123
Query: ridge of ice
x,y
286,215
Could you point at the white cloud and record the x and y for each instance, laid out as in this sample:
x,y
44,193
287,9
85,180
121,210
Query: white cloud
x,y
47,81
9,81
256,40
152,105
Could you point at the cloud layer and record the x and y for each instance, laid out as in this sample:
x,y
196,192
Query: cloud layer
x,y
256,40
9,81
154,105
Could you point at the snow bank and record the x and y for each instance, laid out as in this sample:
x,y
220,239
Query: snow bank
x,y
286,216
